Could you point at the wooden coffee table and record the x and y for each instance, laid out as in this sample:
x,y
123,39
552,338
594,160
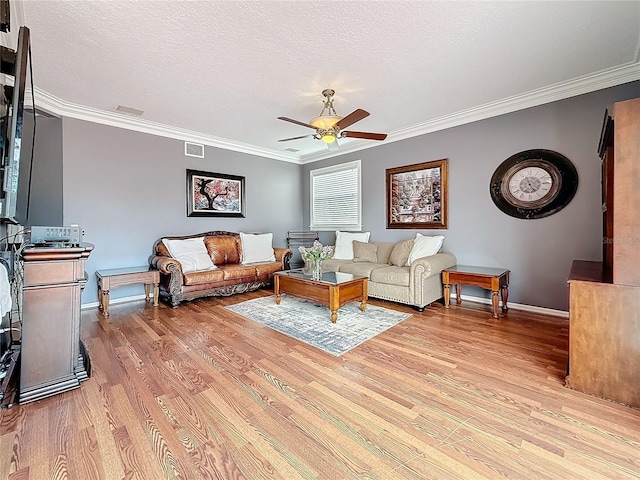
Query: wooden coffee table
x,y
494,279
334,290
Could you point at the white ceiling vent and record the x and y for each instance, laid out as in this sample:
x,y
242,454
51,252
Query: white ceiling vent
x,y
193,150
129,110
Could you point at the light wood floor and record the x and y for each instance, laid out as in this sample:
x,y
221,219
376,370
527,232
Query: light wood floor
x,y
199,392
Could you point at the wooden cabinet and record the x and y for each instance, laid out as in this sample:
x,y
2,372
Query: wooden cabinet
x,y
620,152
52,357
604,335
604,297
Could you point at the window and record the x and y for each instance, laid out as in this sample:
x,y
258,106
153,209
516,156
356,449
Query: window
x,y
336,197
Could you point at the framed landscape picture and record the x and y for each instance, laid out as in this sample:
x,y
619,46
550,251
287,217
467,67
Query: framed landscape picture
x,y
214,195
417,196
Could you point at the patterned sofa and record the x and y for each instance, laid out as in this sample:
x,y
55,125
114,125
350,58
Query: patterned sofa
x,y
222,268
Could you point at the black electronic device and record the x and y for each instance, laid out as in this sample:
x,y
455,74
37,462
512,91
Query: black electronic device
x,y
64,236
5,16
9,373
13,64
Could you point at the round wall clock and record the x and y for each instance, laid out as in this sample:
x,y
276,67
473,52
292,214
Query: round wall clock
x,y
534,184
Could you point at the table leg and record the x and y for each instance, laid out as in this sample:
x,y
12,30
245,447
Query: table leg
x,y
104,301
365,295
147,290
99,297
494,301
447,294
276,288
458,293
334,304
505,296
156,294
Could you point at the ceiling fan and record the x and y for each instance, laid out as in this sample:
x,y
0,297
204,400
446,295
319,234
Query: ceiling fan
x,y
329,126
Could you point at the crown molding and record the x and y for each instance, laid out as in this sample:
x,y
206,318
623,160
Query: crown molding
x,y
53,105
560,91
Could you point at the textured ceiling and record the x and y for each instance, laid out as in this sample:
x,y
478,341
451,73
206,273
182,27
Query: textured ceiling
x,y
220,72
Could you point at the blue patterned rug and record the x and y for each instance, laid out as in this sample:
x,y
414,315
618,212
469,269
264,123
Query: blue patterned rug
x,y
311,323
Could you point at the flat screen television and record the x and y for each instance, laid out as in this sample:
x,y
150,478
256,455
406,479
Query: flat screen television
x,y
11,129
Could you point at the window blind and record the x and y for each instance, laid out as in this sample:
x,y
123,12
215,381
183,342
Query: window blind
x,y
335,197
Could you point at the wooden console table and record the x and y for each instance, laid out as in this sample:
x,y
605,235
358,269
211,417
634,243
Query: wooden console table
x,y
494,279
119,277
53,358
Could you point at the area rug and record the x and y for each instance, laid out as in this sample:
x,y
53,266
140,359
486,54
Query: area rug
x,y
311,323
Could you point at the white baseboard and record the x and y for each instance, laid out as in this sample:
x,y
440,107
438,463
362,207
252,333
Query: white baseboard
x,y
517,306
114,301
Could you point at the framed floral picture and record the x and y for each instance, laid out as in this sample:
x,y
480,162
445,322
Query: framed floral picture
x,y
214,195
417,196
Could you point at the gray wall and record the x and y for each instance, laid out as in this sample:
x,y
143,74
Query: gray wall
x,y
127,189
538,252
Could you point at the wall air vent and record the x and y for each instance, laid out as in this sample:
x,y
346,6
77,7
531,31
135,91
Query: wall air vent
x,y
193,150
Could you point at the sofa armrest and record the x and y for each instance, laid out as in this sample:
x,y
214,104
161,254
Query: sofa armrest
x,y
283,255
171,276
166,265
432,265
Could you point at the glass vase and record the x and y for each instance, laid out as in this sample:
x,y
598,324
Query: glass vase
x,y
316,271
309,264
313,267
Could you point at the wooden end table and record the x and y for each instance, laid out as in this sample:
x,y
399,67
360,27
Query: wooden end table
x,y
334,290
494,279
119,277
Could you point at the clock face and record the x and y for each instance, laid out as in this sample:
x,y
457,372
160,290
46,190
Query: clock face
x,y
534,184
531,184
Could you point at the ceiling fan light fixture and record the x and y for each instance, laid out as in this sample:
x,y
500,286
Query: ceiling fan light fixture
x,y
329,126
328,138
325,122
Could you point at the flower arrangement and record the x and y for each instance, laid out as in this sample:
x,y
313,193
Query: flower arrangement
x,y
317,252
313,257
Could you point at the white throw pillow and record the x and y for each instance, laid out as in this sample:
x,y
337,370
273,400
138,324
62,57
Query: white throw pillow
x,y
191,253
257,247
424,246
344,243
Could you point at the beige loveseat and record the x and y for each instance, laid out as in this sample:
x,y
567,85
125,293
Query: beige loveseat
x,y
221,265
391,277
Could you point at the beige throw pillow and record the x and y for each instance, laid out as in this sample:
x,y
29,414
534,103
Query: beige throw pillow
x,y
384,251
400,253
365,252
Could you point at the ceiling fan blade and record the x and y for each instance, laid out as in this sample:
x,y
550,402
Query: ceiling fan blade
x,y
296,122
366,135
352,118
295,138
